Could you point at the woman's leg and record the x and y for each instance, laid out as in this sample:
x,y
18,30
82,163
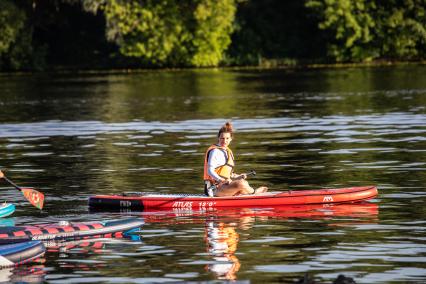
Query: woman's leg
x,y
245,188
237,187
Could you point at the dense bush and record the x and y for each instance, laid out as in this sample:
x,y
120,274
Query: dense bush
x,y
36,35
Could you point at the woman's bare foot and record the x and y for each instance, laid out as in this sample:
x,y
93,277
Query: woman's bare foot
x,y
261,189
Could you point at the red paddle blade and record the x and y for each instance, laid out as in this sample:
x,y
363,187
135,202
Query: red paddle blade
x,y
34,197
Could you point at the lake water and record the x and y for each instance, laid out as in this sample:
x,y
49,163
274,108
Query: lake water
x,y
75,135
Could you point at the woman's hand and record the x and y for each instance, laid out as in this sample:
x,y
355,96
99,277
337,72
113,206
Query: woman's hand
x,y
240,176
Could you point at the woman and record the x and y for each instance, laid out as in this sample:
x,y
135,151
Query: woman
x,y
219,176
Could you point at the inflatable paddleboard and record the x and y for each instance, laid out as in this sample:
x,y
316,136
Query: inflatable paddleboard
x,y
6,209
143,201
66,230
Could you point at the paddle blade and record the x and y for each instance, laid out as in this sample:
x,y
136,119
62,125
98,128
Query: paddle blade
x,y
34,197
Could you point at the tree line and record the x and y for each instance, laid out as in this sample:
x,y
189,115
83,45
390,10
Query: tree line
x,y
105,34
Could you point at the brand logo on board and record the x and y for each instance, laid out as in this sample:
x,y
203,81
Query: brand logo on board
x,y
328,199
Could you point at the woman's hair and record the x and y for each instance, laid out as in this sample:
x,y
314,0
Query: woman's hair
x,y
226,128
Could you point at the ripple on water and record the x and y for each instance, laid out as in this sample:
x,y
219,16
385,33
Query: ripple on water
x,y
331,124
302,150
269,239
37,154
392,275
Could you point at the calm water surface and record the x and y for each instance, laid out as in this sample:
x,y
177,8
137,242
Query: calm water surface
x,y
76,135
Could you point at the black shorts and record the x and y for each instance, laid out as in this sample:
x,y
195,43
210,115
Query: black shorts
x,y
210,189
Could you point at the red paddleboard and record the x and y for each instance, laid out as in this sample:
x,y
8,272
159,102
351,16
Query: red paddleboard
x,y
145,200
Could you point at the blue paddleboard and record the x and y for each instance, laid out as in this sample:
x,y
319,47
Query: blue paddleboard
x,y
6,209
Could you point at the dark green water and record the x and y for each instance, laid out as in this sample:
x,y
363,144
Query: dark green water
x,y
73,136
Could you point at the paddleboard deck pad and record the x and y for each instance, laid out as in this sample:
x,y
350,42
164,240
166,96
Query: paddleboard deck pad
x,y
146,200
15,254
67,231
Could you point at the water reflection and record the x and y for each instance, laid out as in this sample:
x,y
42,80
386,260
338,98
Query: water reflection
x,y
93,244
222,240
223,227
7,221
24,274
246,216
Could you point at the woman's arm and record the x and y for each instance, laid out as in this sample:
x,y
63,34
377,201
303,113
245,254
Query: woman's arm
x,y
216,159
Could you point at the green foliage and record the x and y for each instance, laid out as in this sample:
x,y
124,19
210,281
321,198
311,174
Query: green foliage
x,y
212,31
350,25
204,33
17,49
402,28
363,30
169,32
12,22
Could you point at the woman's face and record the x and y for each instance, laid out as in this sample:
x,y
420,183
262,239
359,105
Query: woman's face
x,y
225,139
